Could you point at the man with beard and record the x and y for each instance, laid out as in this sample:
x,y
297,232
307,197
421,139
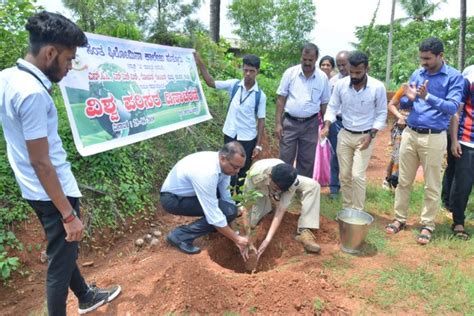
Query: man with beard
x,y
363,102
342,63
434,93
38,159
302,94
245,119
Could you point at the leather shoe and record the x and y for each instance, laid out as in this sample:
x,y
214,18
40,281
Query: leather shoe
x,y
183,246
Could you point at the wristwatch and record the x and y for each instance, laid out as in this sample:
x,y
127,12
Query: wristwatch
x,y
259,148
70,217
372,134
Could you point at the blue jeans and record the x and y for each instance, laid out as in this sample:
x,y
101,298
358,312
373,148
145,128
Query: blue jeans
x,y
334,185
190,206
63,272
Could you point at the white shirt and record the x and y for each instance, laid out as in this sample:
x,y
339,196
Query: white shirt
x,y
332,83
28,112
304,96
200,175
361,110
241,121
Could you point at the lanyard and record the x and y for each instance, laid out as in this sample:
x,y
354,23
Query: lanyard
x,y
242,92
23,68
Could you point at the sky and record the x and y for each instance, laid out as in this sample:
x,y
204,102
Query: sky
x,y
336,20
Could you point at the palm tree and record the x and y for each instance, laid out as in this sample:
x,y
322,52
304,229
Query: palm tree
x,y
420,10
214,23
390,44
462,37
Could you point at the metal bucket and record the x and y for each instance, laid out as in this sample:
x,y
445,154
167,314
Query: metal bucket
x,y
353,227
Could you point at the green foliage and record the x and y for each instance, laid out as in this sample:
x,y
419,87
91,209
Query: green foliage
x,y
7,265
318,306
163,20
420,10
276,28
107,17
13,36
406,39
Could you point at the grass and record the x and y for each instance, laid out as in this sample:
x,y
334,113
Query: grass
x,y
438,280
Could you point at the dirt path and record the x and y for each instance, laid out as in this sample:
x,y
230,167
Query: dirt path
x,y
161,280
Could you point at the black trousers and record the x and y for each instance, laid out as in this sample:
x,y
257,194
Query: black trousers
x,y
249,146
448,177
63,272
462,184
190,206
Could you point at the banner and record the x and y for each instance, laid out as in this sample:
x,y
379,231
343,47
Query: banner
x,y
120,92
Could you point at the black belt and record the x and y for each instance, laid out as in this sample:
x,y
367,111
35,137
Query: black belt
x,y
358,132
339,118
426,130
301,119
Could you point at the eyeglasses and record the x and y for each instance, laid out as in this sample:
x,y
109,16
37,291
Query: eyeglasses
x,y
235,167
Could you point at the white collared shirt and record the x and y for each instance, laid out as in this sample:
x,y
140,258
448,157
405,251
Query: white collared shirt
x,y
361,110
241,122
304,96
28,112
200,175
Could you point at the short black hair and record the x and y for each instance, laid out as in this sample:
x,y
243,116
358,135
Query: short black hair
x,y
231,149
252,61
432,44
357,57
284,175
329,59
52,28
310,47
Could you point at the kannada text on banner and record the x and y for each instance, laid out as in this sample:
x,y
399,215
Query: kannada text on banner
x,y
120,92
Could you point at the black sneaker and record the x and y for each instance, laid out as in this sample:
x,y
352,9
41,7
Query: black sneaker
x,y
99,298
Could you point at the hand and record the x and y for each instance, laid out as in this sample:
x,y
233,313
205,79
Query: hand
x,y
456,149
278,131
422,90
365,142
411,91
402,120
324,132
262,248
74,230
241,242
255,153
245,254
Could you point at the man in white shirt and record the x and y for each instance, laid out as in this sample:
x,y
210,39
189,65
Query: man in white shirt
x,y
198,185
38,159
245,120
303,92
362,101
342,62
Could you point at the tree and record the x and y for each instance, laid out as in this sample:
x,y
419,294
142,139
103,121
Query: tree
x,y
214,24
274,27
405,46
108,17
420,10
13,36
390,44
162,20
462,37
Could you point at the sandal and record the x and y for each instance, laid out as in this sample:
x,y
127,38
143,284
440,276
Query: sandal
x,y
424,239
393,228
460,233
